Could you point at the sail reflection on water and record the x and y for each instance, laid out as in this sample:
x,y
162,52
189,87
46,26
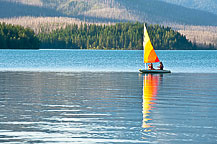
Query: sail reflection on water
x,y
150,90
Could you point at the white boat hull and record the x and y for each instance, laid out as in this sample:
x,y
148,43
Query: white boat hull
x,y
155,71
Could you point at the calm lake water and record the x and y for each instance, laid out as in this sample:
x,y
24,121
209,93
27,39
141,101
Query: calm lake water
x,y
85,97
104,61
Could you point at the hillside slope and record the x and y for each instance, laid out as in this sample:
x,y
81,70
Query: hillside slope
x,y
153,11
14,9
205,5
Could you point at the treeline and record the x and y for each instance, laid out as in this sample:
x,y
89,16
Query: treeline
x,y
119,36
127,36
17,37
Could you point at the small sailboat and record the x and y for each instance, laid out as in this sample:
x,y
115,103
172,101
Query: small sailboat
x,y
150,55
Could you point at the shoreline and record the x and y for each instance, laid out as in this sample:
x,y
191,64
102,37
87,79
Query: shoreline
x,y
101,72
115,49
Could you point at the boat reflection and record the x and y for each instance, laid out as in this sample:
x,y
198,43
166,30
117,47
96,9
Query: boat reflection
x,y
150,90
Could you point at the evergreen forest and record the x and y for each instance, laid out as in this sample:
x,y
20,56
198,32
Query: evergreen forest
x,y
17,37
119,36
127,36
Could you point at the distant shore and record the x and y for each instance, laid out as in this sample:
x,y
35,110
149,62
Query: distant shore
x,y
119,36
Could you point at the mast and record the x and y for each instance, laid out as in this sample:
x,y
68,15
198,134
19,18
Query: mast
x,y
144,45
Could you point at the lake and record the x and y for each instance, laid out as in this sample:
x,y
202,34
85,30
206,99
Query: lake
x,y
104,61
76,96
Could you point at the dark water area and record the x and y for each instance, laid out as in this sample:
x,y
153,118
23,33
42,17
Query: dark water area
x,y
107,107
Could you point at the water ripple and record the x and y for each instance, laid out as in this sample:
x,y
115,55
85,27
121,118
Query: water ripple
x,y
107,108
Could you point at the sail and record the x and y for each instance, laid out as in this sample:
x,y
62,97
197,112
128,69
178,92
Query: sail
x,y
150,55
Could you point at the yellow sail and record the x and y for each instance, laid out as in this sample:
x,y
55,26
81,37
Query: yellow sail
x,y
150,55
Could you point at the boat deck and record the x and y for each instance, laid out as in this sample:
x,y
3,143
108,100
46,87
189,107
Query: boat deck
x,y
155,71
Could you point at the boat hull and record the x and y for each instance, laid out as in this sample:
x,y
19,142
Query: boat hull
x,y
155,71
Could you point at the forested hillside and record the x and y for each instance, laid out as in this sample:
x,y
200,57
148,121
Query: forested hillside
x,y
127,36
44,16
119,36
42,24
205,5
151,11
17,37
205,36
27,2
15,9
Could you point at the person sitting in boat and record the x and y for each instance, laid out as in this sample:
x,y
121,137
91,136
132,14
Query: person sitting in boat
x,y
150,67
161,67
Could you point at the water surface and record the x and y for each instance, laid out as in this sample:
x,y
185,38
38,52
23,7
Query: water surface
x,y
58,107
81,96
104,61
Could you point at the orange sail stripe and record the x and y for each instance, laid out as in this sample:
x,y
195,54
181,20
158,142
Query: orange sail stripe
x,y
152,57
